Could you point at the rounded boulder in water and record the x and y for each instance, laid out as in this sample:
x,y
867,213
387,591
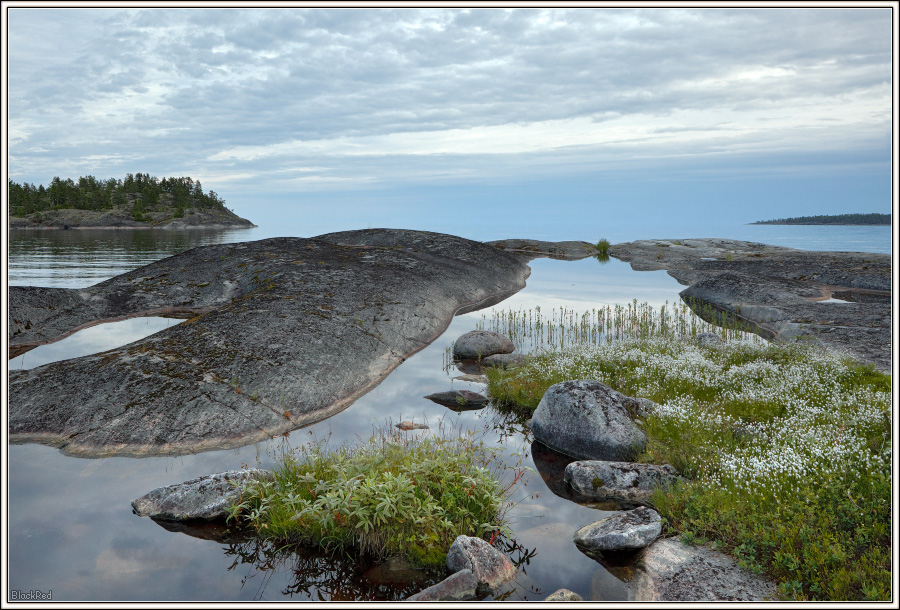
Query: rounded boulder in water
x,y
479,344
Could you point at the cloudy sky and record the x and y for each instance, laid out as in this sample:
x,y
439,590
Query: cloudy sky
x,y
421,117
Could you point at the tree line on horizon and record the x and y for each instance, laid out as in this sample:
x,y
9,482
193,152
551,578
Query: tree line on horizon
x,y
833,219
145,192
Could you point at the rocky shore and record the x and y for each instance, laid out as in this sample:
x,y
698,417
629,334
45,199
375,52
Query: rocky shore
x,y
286,332
121,218
841,299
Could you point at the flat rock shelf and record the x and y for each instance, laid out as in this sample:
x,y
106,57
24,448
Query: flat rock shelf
x,y
285,333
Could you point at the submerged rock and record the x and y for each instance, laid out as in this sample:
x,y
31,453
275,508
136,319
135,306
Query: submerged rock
x,y
282,337
621,481
780,293
491,567
479,344
624,531
207,497
588,420
563,595
673,571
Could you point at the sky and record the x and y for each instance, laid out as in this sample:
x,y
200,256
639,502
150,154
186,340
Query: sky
x,y
529,120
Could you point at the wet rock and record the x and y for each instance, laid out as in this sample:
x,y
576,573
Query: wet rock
x,y
780,293
628,530
620,481
491,567
504,361
479,344
459,399
206,497
588,420
394,572
673,571
563,595
571,250
408,425
282,338
458,586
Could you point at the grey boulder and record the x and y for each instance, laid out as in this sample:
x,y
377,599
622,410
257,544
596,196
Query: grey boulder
x,y
621,481
491,567
624,531
673,571
586,419
479,344
206,497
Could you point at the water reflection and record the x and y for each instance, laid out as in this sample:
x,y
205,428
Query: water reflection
x,y
71,526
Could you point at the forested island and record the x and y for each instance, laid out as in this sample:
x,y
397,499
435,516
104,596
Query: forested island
x,y
836,219
138,200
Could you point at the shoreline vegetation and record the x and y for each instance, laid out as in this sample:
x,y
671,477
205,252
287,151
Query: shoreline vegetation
x,y
137,201
784,447
837,219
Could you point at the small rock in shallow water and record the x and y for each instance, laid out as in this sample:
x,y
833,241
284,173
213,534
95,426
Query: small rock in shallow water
x,y
491,567
408,425
481,344
206,497
628,530
459,399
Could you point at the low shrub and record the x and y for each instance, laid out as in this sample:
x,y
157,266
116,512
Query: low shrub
x,y
397,494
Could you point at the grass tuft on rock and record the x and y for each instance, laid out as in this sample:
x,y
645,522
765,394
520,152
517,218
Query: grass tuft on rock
x,y
785,449
396,495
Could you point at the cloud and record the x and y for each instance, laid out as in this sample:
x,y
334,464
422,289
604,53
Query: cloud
x,y
455,93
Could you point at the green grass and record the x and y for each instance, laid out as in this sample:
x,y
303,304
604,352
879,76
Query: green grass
x,y
602,246
396,495
785,448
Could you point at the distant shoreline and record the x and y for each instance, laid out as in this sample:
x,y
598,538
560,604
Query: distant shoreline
x,y
835,220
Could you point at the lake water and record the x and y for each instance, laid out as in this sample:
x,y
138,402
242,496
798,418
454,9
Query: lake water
x,y
71,529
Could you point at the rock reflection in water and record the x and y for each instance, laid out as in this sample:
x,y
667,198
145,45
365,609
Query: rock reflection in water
x,y
333,576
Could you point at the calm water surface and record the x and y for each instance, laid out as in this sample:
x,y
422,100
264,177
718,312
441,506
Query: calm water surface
x,y
71,529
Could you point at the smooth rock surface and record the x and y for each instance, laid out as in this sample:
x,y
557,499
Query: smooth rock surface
x,y
621,481
588,420
670,570
458,586
283,337
624,531
206,497
480,344
491,567
571,250
781,293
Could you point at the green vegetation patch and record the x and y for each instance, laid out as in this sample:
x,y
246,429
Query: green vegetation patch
x,y
396,495
785,449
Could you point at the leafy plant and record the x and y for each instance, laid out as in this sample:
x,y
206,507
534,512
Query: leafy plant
x,y
394,495
602,246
